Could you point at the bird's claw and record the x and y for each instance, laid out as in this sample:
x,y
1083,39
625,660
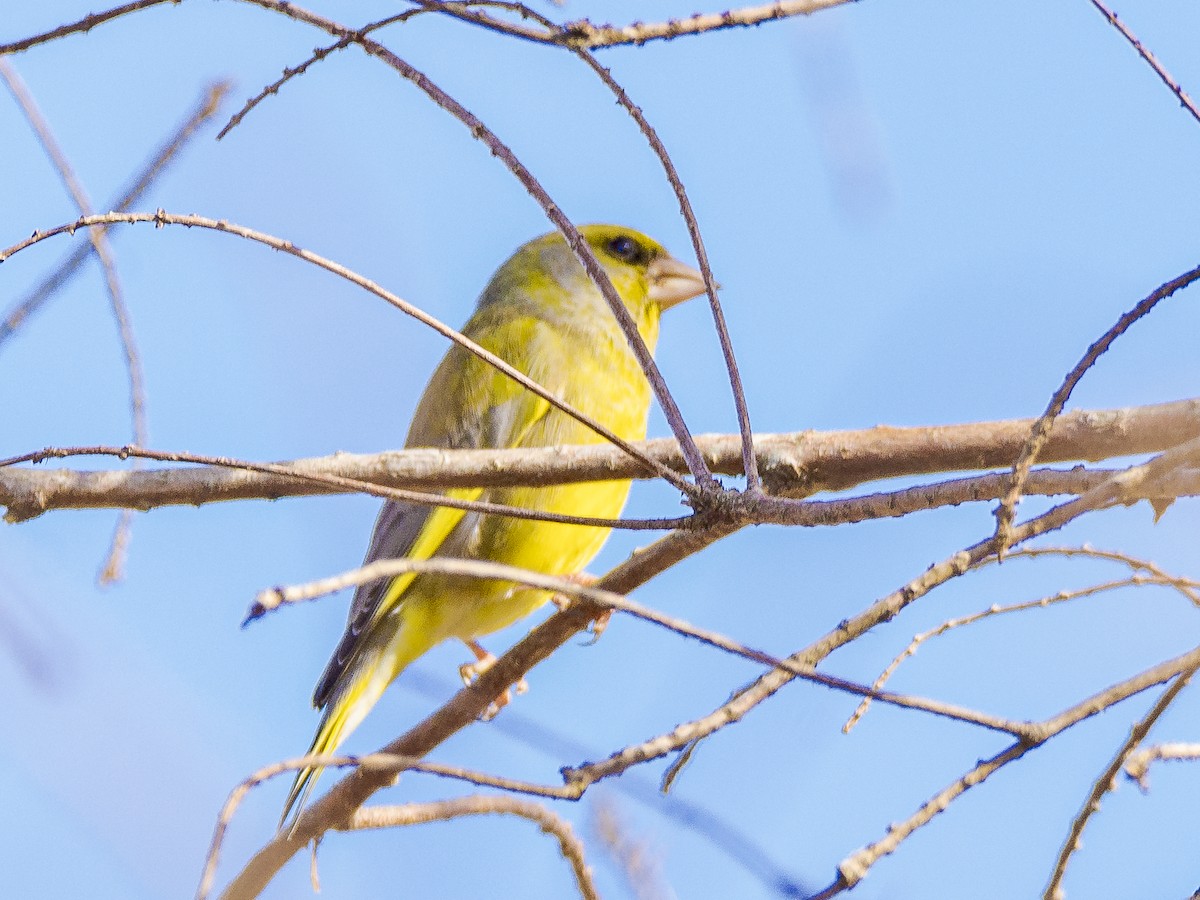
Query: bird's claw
x,y
562,601
470,672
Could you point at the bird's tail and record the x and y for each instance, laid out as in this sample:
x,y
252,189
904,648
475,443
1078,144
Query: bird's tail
x,y
358,690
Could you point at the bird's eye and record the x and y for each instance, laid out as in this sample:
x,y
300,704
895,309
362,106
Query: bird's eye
x,y
625,248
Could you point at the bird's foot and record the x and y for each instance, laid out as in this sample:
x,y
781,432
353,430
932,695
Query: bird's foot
x,y
562,601
470,672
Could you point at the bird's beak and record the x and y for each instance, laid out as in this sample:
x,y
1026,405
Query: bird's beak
x,y
672,282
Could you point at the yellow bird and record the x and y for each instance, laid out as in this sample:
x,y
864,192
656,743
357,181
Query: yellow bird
x,y
542,314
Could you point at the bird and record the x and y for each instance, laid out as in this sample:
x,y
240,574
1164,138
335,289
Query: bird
x,y
541,313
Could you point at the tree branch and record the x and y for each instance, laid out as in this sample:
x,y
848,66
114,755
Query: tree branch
x,y
793,465
161,218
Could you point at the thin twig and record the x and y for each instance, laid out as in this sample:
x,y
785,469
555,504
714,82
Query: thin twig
x,y
351,485
317,55
641,869
1144,52
389,765
1137,764
1107,782
273,598
705,484
587,35
161,218
571,34
87,23
749,464
111,570
1184,585
1111,493
854,868
205,109
479,805
1039,434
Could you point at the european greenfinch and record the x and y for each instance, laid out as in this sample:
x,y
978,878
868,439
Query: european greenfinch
x,y
542,314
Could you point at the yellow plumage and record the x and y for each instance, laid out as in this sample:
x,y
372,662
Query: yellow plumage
x,y
542,314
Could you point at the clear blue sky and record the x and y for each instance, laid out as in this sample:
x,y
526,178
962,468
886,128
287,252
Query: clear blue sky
x,y
921,213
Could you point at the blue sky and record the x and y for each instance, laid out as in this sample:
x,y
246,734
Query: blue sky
x,y
921,213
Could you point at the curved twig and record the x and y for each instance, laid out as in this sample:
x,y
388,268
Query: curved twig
x,y
480,805
1185,586
1040,432
854,867
161,218
1107,779
352,485
271,599
205,109
705,484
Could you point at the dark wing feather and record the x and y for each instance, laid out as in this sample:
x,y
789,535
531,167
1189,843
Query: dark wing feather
x,y
479,407
395,531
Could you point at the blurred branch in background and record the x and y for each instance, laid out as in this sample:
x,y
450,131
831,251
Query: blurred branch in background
x,y
205,109
111,570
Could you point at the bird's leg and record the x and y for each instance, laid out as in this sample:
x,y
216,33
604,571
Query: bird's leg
x,y
562,601
484,661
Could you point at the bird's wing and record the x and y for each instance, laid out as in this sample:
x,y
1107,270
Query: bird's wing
x,y
468,405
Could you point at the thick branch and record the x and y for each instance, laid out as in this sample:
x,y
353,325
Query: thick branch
x,y
793,465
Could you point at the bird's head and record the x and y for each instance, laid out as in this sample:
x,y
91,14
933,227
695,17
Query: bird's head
x,y
640,266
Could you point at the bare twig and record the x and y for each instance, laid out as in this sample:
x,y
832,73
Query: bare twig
x,y
317,55
1144,52
204,110
350,485
81,26
111,571
633,858
1186,586
161,218
572,34
749,464
460,711
1107,782
480,805
272,599
884,609
1137,764
1040,432
854,868
705,483
584,34
385,764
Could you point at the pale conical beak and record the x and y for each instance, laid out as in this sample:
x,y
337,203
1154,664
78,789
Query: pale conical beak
x,y
672,282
